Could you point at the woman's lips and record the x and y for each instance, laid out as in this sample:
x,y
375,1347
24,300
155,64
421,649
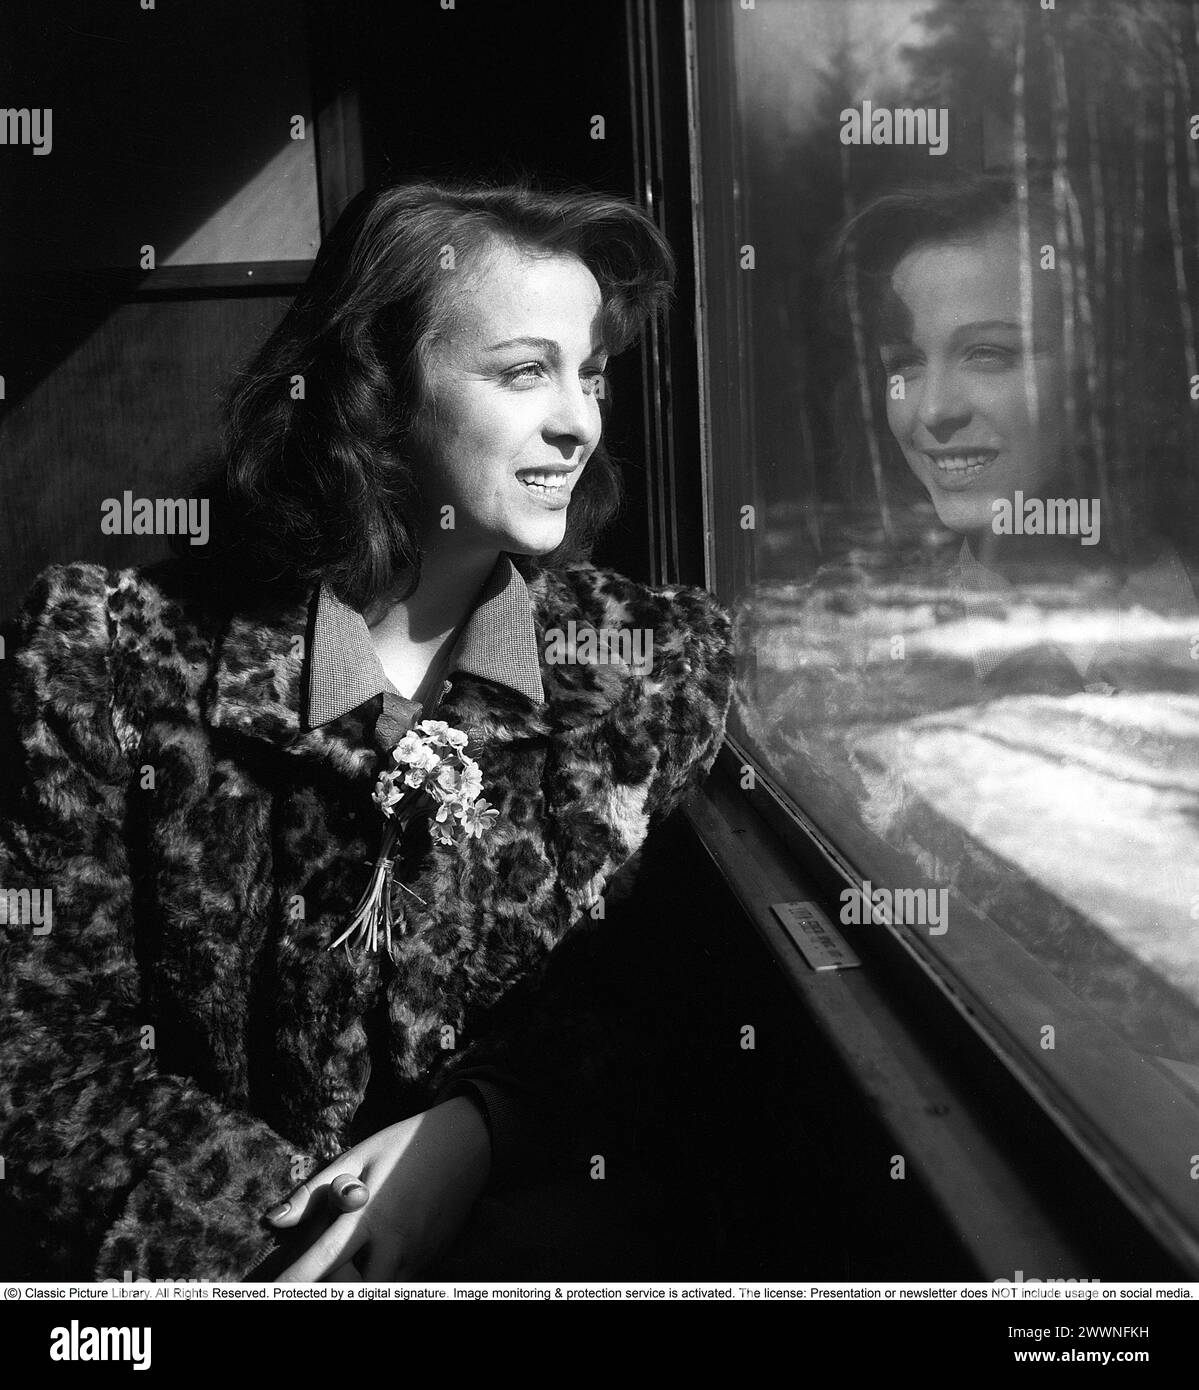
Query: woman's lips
x,y
548,487
959,469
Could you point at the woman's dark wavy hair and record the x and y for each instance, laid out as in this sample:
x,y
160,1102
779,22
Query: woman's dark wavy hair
x,y
892,223
319,479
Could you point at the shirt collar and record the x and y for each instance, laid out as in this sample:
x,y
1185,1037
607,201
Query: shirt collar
x,y
498,642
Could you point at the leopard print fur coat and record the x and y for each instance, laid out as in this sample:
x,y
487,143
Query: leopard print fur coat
x,y
178,1047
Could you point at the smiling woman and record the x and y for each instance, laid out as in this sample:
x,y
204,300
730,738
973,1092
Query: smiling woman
x,y
515,432
958,406
413,473
422,290
969,330
984,394
512,438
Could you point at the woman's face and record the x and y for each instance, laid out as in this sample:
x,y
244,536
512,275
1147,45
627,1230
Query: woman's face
x,y
515,388
965,422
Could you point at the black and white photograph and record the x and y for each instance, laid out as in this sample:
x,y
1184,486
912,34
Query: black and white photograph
x,y
599,664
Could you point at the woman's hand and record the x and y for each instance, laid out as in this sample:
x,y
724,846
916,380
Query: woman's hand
x,y
421,1178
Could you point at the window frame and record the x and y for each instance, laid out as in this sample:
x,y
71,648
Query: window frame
x,y
335,126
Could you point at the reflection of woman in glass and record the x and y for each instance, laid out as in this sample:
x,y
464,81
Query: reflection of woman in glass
x,y
966,316
993,727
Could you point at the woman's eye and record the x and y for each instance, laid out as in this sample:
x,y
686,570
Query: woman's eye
x,y
990,354
527,371
530,373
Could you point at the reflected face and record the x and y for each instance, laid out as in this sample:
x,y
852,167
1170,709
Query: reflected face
x,y
966,423
514,388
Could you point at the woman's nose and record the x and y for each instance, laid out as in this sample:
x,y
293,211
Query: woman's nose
x,y
575,415
941,405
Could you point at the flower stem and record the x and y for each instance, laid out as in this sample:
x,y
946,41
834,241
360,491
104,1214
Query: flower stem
x,y
375,902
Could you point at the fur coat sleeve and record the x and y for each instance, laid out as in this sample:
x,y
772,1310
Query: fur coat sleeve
x,y
98,1139
550,1053
178,1049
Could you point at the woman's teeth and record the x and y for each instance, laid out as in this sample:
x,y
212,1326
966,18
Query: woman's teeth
x,y
963,464
544,482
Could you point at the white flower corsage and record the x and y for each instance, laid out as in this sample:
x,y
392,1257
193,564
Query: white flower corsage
x,y
432,772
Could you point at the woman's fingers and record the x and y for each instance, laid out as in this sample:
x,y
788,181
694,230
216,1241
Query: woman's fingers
x,y
293,1209
346,1190
334,1247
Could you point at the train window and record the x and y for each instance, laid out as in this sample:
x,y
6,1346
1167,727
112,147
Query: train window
x,y
948,290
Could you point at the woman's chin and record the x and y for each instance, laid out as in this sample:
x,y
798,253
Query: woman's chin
x,y
539,542
964,515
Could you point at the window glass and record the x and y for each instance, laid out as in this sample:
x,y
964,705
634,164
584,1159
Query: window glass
x,y
948,294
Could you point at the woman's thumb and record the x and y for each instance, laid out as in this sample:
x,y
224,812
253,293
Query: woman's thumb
x,y
292,1210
